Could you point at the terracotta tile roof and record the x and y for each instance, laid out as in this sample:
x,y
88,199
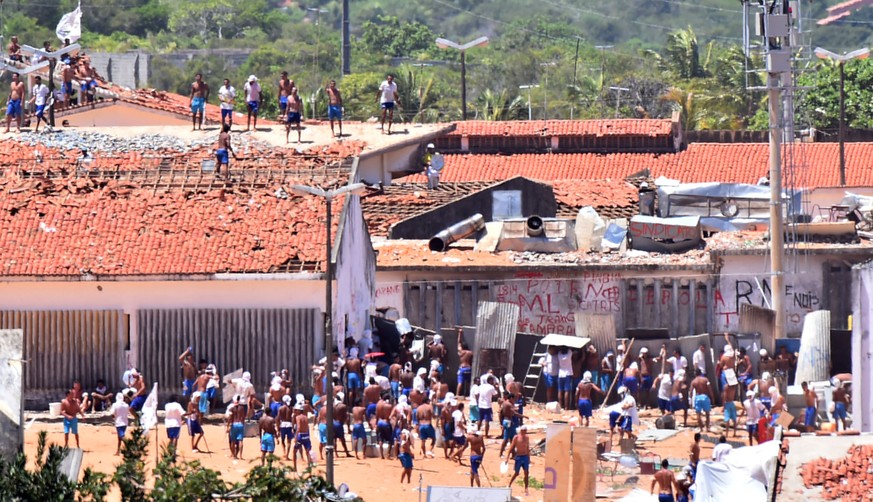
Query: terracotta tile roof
x,y
611,198
618,127
74,226
818,165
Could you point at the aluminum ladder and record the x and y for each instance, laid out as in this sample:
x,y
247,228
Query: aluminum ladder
x,y
534,372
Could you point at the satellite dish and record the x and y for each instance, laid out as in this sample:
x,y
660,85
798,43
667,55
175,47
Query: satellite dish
x,y
437,162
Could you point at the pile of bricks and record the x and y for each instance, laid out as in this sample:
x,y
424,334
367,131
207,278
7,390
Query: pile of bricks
x,y
849,479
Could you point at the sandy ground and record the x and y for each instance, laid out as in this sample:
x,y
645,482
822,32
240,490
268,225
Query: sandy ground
x,y
98,441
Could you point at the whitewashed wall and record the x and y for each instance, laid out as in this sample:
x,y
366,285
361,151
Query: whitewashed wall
x,y
862,348
747,279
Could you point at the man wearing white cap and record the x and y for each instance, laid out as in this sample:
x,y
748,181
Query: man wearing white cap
x,y
246,390
726,363
629,415
583,398
285,418
437,352
679,395
431,169
486,396
121,411
253,100
754,411
646,379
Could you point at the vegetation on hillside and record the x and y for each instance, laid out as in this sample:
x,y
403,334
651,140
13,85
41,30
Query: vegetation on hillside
x,y
628,58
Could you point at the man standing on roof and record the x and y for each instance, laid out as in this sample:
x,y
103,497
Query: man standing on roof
x,y
294,105
13,103
227,95
199,94
224,147
285,86
431,169
13,51
388,97
253,100
335,107
39,97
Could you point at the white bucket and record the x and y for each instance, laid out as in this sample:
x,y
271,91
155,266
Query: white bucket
x,y
55,409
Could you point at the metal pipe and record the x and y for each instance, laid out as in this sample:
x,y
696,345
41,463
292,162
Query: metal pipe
x,y
456,232
534,226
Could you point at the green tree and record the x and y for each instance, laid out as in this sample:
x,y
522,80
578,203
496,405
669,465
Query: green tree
x,y
821,105
682,54
130,475
492,105
186,481
391,38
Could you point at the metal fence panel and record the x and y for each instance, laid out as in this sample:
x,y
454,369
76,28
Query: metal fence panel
x,y
258,340
60,345
496,324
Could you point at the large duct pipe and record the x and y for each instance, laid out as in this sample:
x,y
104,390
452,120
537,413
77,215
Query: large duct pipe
x,y
534,226
456,232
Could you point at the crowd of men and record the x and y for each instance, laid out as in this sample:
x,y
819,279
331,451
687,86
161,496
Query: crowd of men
x,y
77,77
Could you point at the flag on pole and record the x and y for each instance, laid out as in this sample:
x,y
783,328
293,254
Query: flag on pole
x,y
149,416
70,26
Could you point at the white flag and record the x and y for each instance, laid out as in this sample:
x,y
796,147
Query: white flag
x,y
149,416
70,26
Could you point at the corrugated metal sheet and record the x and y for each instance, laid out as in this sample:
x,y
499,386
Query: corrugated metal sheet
x,y
600,328
813,361
496,324
754,319
60,345
258,340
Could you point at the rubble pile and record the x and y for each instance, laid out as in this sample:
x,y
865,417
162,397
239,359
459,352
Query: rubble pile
x,y
848,479
65,140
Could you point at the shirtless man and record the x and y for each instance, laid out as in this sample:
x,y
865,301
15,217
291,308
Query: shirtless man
x,y
341,418
702,398
359,433
371,396
285,86
85,75
139,396
583,398
405,454
426,429
384,432
302,441
694,454
354,377
777,405
192,419
70,408
786,362
224,147
394,378
646,378
67,84
189,372
439,392
13,50
727,361
520,450
510,418
632,378
321,419
477,452
465,370
841,403
592,363
292,118
13,103
199,95
335,107
236,427
448,428
406,379
277,393
762,387
267,425
285,417
744,369
810,398
666,481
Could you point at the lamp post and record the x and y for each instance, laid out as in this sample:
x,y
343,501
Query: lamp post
x,y
529,109
347,41
618,91
328,196
444,43
841,60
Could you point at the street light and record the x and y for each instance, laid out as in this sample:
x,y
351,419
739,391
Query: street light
x,y
841,61
529,87
618,91
602,49
328,196
444,43
318,12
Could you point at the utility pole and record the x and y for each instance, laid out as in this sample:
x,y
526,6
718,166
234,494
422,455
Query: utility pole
x,y
347,43
602,49
444,43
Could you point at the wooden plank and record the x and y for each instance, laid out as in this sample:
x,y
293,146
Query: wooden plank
x,y
556,479
584,456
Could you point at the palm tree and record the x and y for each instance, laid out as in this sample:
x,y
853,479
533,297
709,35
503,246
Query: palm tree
x,y
689,107
491,105
683,54
416,95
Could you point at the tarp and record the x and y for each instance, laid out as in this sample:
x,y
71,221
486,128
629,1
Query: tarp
x,y
70,26
149,416
574,342
742,476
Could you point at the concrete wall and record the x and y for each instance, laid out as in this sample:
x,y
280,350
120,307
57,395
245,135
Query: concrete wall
x,y
129,69
381,166
131,296
11,381
862,327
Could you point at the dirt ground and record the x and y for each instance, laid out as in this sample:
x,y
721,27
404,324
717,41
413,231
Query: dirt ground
x,y
98,441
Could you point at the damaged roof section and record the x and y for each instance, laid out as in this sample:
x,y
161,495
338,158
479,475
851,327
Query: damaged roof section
x,y
79,226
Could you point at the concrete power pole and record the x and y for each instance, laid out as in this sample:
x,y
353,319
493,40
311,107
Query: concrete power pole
x,y
347,43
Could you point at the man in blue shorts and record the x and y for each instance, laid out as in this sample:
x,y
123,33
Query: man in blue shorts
x,y
221,153
292,118
39,97
226,97
841,400
387,96
520,449
70,409
811,411
583,398
199,95
253,100
405,455
702,397
335,108
13,104
285,86
477,452
236,427
267,424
